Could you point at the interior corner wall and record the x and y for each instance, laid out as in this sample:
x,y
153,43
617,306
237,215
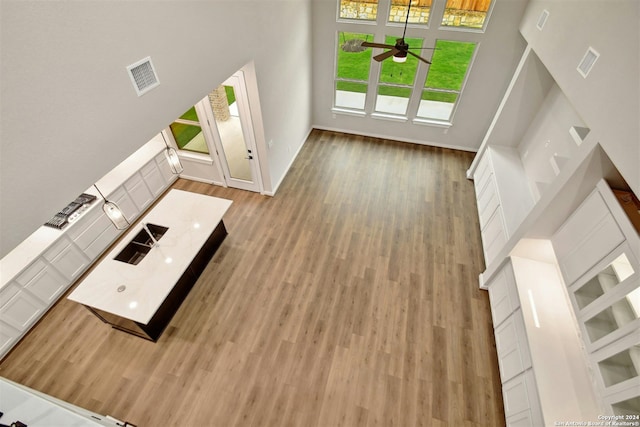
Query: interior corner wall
x,y
69,112
607,99
499,52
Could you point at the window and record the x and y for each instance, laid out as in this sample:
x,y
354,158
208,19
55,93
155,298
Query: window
x,y
352,74
466,13
188,134
419,13
414,90
396,81
447,73
363,10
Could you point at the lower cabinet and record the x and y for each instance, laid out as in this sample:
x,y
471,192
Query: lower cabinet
x,y
519,392
43,281
521,406
22,311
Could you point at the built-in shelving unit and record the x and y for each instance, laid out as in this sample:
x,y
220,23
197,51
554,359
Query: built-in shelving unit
x,y
551,228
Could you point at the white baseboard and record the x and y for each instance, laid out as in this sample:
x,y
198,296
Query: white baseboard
x,y
295,156
198,179
392,138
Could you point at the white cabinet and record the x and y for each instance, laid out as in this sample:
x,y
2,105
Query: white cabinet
x,y
121,197
503,295
511,346
165,169
8,336
153,178
521,405
138,191
503,198
586,237
93,233
22,311
67,258
43,281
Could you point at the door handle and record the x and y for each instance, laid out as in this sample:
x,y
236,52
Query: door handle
x,y
249,158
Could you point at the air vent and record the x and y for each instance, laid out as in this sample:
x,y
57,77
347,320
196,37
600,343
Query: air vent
x,y
543,19
143,76
587,62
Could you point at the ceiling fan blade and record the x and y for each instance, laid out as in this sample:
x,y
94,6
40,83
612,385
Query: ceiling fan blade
x,y
386,55
419,57
380,45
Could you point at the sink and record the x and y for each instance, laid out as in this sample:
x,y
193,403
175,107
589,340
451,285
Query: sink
x,y
141,244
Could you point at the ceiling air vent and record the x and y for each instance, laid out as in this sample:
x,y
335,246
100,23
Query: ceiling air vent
x,y
587,62
143,76
542,19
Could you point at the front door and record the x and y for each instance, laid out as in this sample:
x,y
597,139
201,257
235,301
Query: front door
x,y
234,140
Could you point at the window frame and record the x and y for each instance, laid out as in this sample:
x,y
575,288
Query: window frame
x,y
430,34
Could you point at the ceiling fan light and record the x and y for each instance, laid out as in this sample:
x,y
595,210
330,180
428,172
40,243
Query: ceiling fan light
x,y
400,59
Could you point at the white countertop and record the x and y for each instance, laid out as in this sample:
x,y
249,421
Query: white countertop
x,y
190,218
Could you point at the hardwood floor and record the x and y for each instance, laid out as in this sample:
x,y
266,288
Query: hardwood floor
x,y
349,299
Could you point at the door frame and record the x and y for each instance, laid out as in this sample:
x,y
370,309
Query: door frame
x,y
238,83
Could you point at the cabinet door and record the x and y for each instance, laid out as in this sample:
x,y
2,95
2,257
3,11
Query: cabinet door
x,y
493,236
586,237
165,169
519,396
67,258
92,230
43,281
139,192
153,178
102,242
488,202
22,311
503,295
512,347
8,337
124,202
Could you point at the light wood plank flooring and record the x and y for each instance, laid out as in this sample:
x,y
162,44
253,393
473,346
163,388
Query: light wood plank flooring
x,y
349,299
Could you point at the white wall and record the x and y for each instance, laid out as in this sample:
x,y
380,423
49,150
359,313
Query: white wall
x,y
608,99
498,55
69,112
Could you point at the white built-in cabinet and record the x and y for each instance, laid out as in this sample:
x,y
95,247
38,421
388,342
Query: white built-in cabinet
x,y
561,259
26,297
602,274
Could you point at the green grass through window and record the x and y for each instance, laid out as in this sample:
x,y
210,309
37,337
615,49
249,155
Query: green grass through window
x,y
447,71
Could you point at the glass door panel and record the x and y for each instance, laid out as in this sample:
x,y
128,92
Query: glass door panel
x,y
611,276
620,367
232,137
617,315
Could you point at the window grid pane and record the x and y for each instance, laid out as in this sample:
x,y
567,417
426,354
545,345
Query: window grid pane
x,y
466,13
419,13
352,70
363,10
400,73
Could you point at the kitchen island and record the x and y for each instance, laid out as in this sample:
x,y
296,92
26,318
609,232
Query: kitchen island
x,y
139,285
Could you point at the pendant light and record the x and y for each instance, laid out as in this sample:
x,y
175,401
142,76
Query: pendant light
x,y
172,157
113,212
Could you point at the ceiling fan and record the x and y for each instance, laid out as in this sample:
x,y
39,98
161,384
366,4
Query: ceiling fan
x,y
398,51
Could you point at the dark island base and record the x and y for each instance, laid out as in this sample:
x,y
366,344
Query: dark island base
x,y
172,302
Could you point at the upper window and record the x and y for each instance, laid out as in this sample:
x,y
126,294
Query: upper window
x,y
466,13
363,10
446,76
419,13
